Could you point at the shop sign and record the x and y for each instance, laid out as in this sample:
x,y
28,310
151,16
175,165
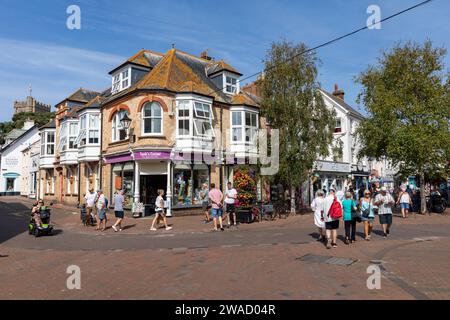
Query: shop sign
x,y
11,162
149,155
332,166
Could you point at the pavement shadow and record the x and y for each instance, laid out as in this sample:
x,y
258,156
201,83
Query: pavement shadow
x,y
14,218
314,235
128,227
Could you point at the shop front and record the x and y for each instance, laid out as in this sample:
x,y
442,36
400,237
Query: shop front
x,y
330,174
188,181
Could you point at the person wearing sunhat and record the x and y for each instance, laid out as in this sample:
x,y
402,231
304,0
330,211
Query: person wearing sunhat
x,y
385,201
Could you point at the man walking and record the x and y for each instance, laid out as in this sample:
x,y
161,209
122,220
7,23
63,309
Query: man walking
x,y
101,210
385,201
216,197
118,202
90,203
230,199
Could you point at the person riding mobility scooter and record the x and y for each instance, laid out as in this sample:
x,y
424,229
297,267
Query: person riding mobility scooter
x,y
40,220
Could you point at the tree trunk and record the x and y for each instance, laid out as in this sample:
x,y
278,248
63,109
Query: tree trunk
x,y
423,202
293,200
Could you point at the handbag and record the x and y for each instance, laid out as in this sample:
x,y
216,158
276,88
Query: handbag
x,y
355,214
366,212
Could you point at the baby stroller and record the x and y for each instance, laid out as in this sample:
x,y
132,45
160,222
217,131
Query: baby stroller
x,y
45,228
85,219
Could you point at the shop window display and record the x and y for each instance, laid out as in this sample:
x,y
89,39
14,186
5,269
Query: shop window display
x,y
123,178
188,181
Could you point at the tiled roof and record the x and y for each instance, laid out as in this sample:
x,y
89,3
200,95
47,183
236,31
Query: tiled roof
x,y
50,125
221,66
82,95
145,58
343,104
180,72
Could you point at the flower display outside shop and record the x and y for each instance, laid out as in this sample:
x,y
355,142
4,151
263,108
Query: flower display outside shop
x,y
245,184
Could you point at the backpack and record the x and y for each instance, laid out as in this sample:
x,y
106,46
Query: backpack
x,y
335,211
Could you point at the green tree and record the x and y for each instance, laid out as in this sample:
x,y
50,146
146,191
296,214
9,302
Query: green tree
x,y
407,97
292,103
18,120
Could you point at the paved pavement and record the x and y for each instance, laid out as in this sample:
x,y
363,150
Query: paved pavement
x,y
264,260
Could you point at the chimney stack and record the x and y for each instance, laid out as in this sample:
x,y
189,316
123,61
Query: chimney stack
x,y
204,55
338,93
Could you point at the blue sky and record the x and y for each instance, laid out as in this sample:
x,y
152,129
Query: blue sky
x,y
37,48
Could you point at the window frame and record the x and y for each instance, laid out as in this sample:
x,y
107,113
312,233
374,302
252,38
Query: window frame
x,y
253,128
72,136
119,78
200,112
233,84
116,127
47,144
151,118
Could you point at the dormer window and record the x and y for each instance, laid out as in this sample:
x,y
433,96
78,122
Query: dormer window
x,y
231,85
121,80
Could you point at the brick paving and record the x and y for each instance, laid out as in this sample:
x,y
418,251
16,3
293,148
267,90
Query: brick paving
x,y
227,265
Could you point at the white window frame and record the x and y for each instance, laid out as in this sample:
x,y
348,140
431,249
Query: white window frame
x,y
62,144
338,119
93,128
200,118
186,106
253,127
152,117
117,127
47,143
73,136
121,80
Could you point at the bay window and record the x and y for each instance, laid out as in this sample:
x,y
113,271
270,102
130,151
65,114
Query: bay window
x,y
203,119
183,118
194,118
244,126
73,134
118,132
94,129
152,119
48,143
63,138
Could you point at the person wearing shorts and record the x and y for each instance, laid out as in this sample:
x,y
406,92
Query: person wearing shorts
x,y
367,214
404,199
101,210
118,202
90,204
159,211
230,200
384,201
216,197
204,198
331,225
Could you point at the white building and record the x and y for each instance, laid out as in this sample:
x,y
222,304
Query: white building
x,y
30,170
12,160
341,168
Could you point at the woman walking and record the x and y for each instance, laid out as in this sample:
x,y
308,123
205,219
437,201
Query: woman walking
x,y
348,206
159,211
317,207
404,199
331,223
118,202
367,214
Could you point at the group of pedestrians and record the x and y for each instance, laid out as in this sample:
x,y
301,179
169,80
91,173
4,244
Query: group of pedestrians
x,y
214,202
354,211
97,206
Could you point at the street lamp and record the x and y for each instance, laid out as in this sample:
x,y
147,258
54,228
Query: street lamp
x,y
125,122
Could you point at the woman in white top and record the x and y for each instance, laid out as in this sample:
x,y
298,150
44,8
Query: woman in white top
x,y
159,211
318,206
404,199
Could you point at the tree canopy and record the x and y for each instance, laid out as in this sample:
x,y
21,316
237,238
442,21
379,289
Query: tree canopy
x,y
293,104
18,120
407,97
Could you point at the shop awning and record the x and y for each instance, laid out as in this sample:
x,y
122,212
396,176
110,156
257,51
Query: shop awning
x,y
11,175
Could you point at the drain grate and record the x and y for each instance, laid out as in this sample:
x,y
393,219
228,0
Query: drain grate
x,y
314,258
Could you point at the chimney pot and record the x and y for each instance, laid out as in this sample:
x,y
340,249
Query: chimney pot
x,y
338,93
